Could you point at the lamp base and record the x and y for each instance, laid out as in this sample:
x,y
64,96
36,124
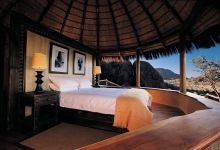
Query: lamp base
x,y
96,81
39,81
96,86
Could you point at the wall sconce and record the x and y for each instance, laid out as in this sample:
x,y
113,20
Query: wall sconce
x,y
39,63
97,71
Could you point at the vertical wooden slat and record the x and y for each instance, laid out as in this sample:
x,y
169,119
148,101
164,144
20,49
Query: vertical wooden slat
x,y
183,70
3,102
17,67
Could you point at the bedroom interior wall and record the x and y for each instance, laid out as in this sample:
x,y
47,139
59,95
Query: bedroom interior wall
x,y
38,43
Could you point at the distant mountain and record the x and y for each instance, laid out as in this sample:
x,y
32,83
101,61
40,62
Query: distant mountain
x,y
167,74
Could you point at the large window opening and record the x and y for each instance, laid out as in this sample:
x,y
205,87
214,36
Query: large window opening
x,y
164,72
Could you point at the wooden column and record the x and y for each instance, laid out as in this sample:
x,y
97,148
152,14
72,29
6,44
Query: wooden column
x,y
138,72
183,70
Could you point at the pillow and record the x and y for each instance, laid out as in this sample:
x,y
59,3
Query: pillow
x,y
64,83
84,83
53,87
62,88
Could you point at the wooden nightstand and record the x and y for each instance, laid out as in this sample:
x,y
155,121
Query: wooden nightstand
x,y
43,108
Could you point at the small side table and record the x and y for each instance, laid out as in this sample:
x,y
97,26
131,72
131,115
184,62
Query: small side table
x,y
44,108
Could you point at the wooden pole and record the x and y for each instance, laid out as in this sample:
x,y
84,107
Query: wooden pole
x,y
183,70
138,72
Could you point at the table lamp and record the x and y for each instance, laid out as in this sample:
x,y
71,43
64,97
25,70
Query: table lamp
x,y
97,71
39,63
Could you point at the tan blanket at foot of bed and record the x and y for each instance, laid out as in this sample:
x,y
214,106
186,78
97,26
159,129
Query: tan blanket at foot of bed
x,y
131,111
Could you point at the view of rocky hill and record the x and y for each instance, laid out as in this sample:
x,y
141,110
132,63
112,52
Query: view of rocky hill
x,y
167,74
123,73
149,75
120,73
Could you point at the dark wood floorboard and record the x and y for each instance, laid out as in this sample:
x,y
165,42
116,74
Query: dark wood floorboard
x,y
162,112
10,140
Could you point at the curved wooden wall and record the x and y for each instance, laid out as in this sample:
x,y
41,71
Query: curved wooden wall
x,y
176,99
198,129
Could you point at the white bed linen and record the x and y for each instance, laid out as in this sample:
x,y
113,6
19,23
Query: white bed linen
x,y
101,100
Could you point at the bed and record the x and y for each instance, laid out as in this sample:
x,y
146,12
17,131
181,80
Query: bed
x,y
100,100
79,100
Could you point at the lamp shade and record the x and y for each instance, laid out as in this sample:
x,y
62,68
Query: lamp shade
x,y
97,70
39,61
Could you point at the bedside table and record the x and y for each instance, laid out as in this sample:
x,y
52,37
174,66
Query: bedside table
x,y
43,108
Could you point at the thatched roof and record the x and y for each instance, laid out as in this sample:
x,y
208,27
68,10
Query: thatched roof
x,y
119,27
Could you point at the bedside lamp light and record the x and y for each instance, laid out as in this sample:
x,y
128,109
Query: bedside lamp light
x,y
39,63
97,71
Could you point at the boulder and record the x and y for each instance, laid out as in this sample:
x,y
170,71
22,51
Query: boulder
x,y
118,72
123,73
149,75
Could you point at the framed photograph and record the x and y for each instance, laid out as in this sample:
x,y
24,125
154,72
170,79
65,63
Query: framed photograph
x,y
58,61
79,63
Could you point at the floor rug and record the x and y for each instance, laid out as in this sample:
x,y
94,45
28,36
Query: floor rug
x,y
66,137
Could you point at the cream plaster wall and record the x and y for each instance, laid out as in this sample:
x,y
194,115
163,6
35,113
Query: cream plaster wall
x,y
37,43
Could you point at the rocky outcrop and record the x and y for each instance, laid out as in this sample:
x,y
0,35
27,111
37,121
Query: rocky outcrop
x,y
149,76
123,73
167,74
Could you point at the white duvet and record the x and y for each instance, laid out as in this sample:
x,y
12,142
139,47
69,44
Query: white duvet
x,y
101,100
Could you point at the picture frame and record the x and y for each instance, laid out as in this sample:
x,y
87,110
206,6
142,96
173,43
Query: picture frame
x,y
79,65
58,59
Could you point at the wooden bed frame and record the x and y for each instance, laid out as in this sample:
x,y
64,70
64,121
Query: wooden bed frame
x,y
89,119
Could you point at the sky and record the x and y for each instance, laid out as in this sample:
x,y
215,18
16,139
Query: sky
x,y
172,62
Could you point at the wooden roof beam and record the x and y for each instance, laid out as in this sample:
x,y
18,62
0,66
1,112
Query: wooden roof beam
x,y
7,10
64,1
66,16
97,24
152,21
46,9
196,12
83,21
131,22
173,10
114,24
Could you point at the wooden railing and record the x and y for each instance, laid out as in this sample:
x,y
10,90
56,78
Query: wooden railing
x,y
107,83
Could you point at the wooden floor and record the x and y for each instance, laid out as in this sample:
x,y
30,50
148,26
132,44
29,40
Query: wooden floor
x,y
9,141
162,112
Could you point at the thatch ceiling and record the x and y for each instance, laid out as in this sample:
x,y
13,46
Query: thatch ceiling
x,y
113,27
